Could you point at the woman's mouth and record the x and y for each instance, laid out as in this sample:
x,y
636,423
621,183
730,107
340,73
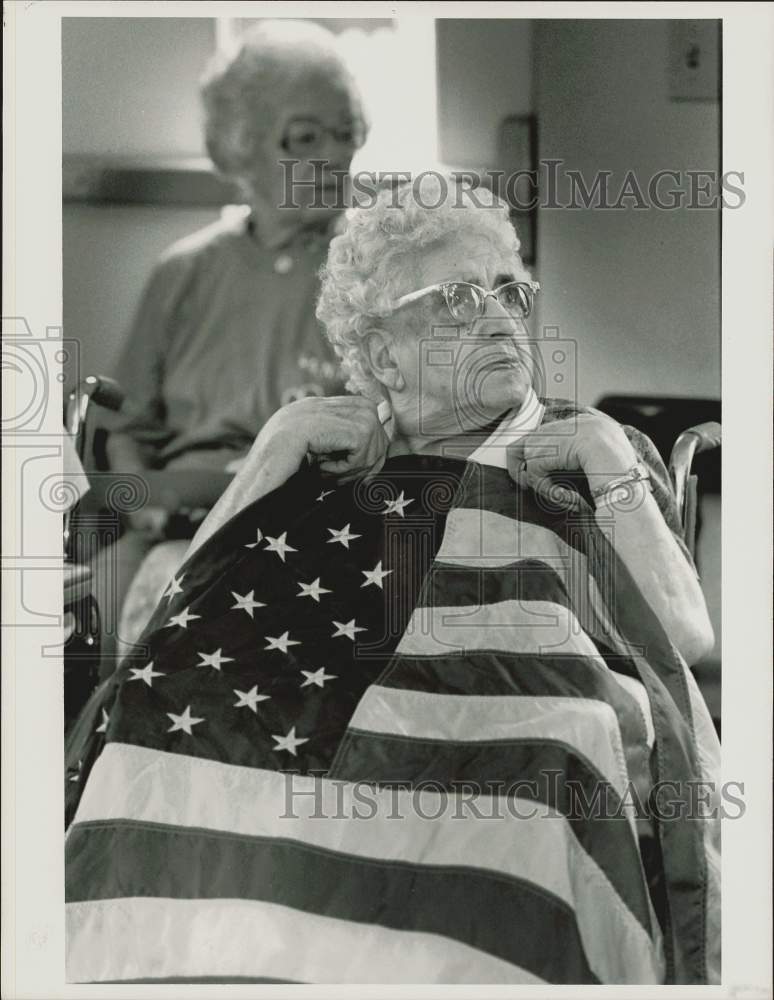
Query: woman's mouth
x,y
497,363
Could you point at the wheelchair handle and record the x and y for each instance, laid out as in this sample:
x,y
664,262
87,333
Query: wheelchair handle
x,y
105,392
702,437
98,389
102,391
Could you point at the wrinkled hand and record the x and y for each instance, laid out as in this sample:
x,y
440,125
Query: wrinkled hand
x,y
591,443
341,433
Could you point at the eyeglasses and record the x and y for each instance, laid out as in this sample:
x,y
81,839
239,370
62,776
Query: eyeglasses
x,y
466,301
304,136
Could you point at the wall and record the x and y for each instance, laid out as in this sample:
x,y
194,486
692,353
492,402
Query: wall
x,y
484,72
638,290
129,85
122,95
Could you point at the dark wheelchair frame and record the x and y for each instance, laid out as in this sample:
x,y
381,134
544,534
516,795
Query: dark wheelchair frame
x,y
82,649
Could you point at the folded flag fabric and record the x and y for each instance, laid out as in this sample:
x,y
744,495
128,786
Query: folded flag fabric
x,y
400,730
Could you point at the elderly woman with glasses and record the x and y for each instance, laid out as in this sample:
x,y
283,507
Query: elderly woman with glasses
x,y
225,332
423,675
451,359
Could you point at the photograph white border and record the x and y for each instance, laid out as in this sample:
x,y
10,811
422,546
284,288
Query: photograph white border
x,y
32,752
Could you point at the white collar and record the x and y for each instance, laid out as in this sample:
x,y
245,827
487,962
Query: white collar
x,y
513,426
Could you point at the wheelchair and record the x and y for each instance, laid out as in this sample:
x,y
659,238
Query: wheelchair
x,y
82,649
657,417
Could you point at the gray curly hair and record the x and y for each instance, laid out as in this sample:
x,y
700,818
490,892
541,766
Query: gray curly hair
x,y
373,262
242,92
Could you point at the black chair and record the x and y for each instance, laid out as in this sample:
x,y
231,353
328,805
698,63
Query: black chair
x,y
692,455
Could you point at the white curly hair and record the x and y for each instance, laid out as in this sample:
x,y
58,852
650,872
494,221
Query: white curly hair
x,y
242,91
373,262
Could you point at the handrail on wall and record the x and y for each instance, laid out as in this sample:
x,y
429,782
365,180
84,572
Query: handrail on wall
x,y
181,181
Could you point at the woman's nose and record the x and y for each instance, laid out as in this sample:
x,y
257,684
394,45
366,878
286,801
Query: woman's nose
x,y
496,321
493,307
338,152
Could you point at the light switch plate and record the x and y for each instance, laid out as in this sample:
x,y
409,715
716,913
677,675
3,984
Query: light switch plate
x,y
694,60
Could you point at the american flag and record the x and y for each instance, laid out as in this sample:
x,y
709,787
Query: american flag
x,y
353,746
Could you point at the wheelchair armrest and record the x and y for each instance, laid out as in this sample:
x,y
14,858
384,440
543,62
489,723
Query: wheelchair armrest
x,y
709,435
702,437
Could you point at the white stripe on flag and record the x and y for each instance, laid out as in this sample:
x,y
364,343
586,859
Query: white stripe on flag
x,y
538,627
147,938
502,541
135,783
477,537
588,726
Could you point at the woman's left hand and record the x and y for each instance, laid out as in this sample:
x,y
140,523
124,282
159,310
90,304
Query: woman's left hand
x,y
591,443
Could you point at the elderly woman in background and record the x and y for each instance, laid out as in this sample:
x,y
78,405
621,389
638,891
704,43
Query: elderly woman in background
x,y
225,332
396,593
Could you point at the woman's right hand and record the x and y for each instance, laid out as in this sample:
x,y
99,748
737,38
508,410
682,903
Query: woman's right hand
x,y
342,434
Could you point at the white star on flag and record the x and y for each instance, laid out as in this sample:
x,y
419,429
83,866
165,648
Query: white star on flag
x,y
214,659
279,545
281,642
245,602
289,742
249,699
313,590
183,722
324,494
258,538
318,677
347,629
182,619
146,674
375,576
102,728
343,535
396,506
174,587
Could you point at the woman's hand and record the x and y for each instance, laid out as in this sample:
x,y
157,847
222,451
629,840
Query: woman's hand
x,y
591,443
597,446
342,434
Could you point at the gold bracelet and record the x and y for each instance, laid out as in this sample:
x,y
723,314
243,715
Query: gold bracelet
x,y
637,474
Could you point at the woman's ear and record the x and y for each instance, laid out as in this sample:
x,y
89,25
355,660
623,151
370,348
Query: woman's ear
x,y
382,360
